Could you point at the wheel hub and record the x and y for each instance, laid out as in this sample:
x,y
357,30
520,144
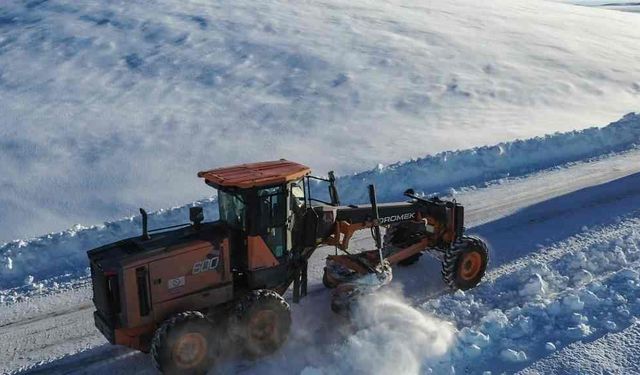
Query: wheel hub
x,y
263,326
190,349
470,265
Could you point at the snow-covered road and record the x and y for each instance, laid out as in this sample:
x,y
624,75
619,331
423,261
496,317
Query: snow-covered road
x,y
532,223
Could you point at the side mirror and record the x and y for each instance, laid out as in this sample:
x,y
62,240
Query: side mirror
x,y
196,216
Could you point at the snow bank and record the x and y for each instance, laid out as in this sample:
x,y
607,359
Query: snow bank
x,y
58,257
523,316
63,253
454,169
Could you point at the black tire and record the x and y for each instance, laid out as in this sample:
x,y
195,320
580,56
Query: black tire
x,y
464,265
264,319
326,281
184,344
410,260
402,235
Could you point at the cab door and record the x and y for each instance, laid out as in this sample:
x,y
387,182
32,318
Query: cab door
x,y
272,220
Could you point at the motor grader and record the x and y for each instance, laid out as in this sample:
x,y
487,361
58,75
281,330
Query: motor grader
x,y
187,293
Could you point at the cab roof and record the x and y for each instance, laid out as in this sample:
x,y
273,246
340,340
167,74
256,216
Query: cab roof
x,y
255,174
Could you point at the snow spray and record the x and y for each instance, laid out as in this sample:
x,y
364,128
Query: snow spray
x,y
392,337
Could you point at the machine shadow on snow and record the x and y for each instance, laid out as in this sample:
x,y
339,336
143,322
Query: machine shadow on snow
x,y
511,237
550,221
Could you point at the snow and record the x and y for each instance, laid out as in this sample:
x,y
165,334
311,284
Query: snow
x,y
112,105
413,325
64,253
454,169
62,256
511,355
615,352
534,287
622,5
392,336
108,106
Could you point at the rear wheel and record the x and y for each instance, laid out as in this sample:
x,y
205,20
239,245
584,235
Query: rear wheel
x,y
265,322
184,344
464,265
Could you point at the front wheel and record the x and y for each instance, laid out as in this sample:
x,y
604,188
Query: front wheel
x,y
184,344
464,265
265,322
328,281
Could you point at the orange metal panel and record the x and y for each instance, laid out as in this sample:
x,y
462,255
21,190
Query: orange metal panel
x,y
259,254
256,174
196,301
200,268
131,309
133,337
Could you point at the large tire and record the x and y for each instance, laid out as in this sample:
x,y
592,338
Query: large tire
x,y
264,320
327,281
184,344
464,265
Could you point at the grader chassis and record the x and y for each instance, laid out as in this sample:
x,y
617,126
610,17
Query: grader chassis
x,y
185,293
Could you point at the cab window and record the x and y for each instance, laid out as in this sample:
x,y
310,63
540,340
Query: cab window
x,y
272,218
232,209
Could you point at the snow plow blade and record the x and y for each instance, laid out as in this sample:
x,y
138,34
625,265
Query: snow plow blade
x,y
346,293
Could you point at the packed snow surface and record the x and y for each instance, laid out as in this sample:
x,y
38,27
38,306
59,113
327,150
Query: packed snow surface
x,y
112,105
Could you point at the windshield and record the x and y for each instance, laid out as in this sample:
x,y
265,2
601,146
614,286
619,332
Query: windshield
x,y
232,209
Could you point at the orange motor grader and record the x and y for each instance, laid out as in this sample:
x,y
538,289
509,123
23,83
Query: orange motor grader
x,y
187,293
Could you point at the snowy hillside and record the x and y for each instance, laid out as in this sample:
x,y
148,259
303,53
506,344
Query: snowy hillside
x,y
112,105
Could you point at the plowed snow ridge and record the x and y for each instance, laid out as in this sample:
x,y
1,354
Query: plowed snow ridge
x,y
21,259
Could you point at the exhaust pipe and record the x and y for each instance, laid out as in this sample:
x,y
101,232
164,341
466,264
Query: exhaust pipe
x,y
145,229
